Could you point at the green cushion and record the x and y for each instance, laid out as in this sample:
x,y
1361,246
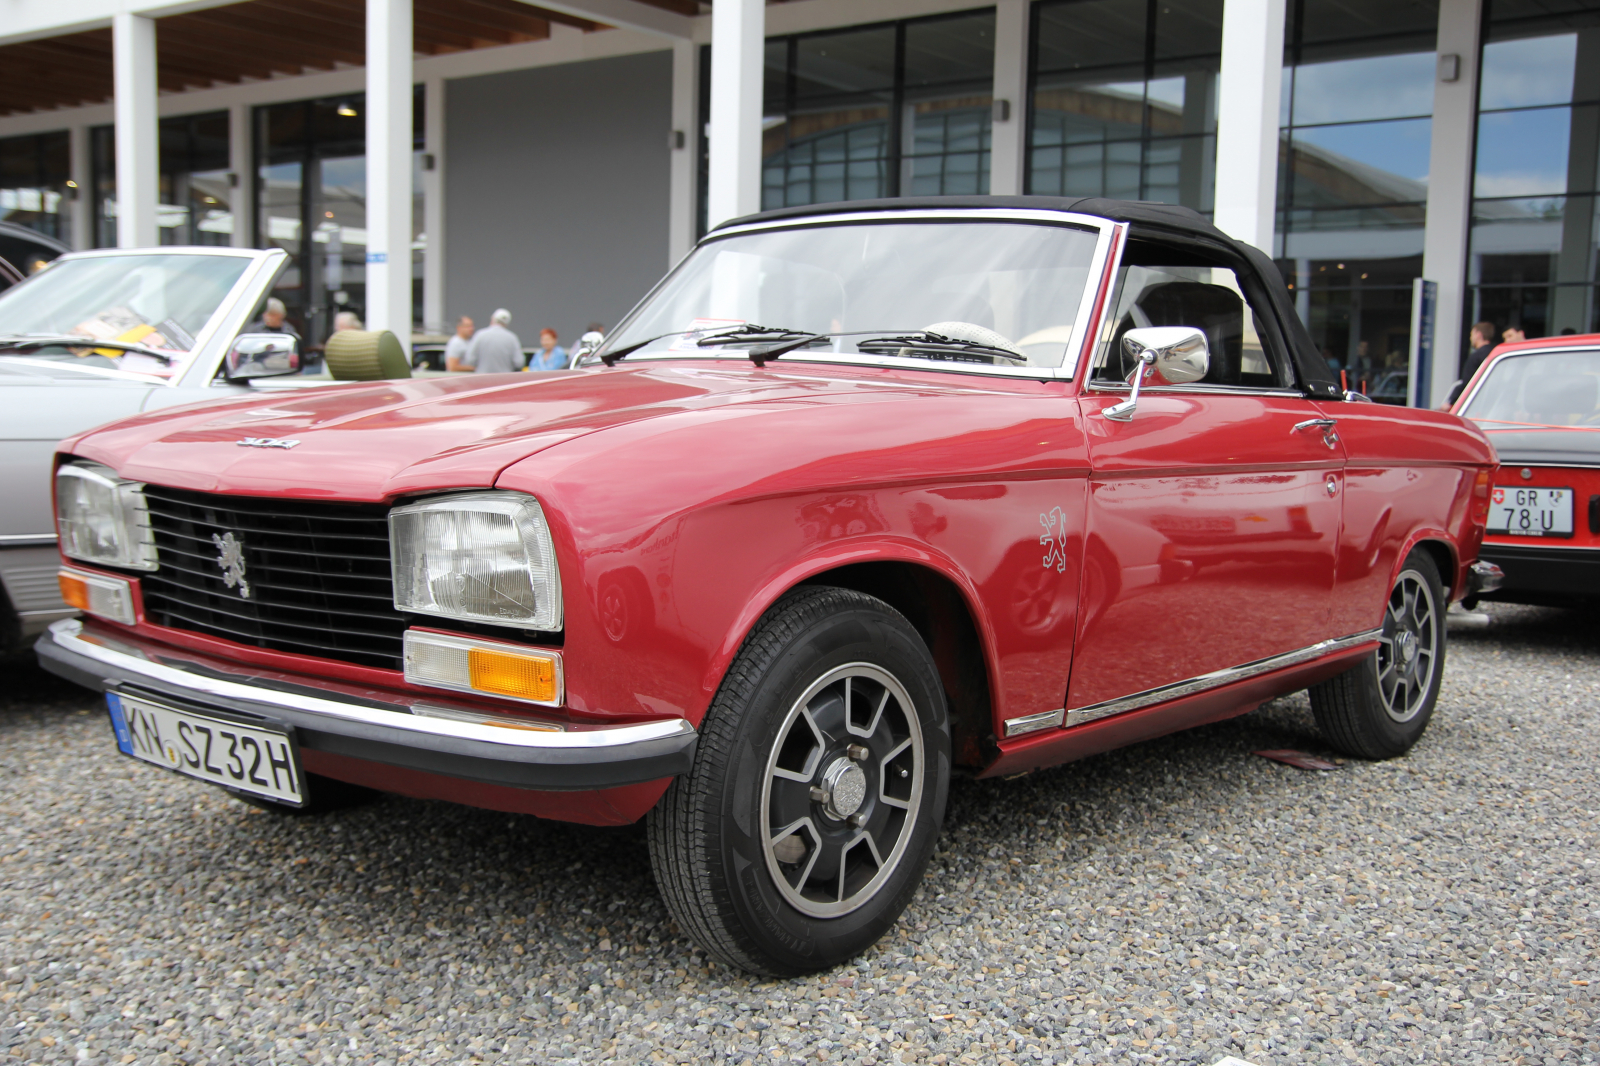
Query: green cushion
x,y
366,355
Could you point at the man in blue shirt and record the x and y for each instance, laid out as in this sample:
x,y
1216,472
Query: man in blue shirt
x,y
550,356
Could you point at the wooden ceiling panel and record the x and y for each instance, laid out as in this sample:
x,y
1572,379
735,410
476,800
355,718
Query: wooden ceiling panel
x,y
262,39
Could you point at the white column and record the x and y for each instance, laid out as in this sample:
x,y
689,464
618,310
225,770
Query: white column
x,y
242,194
1444,248
81,172
389,167
737,43
1247,119
1007,141
681,140
433,204
133,61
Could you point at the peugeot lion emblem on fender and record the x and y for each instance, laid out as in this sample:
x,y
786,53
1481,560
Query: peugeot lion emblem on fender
x,y
232,561
1054,539
266,442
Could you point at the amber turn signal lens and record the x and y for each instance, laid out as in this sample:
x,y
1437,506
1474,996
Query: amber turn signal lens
x,y
98,594
1480,486
527,677
74,591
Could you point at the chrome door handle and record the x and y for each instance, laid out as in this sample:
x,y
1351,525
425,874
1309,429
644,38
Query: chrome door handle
x,y
1330,434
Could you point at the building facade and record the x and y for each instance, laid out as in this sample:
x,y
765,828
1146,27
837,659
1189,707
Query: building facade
x,y
421,159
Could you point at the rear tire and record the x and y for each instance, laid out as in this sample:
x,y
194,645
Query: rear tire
x,y
1379,708
817,791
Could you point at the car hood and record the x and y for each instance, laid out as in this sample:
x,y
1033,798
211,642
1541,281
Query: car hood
x,y
1524,445
376,441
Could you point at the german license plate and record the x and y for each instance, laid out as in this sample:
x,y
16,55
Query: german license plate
x,y
246,758
1530,512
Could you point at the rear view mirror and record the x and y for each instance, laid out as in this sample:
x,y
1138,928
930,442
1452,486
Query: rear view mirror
x,y
261,355
1168,355
1181,352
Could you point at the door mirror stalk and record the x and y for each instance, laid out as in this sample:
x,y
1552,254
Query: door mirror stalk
x,y
1175,355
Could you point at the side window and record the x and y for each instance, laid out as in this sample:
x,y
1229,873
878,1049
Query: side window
x,y
1158,286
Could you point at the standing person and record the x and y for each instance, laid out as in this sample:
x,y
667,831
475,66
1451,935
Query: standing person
x,y
551,355
455,349
494,349
274,319
1482,340
346,320
1513,335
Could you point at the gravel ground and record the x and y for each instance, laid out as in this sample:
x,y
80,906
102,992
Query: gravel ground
x,y
1175,902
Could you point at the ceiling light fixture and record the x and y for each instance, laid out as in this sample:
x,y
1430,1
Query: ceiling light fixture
x,y
347,111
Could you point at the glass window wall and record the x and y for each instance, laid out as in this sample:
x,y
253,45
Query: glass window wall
x,y
1356,128
35,189
195,189
311,201
1532,261
888,110
1124,99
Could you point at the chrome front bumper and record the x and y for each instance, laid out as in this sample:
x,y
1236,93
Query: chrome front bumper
x,y
410,730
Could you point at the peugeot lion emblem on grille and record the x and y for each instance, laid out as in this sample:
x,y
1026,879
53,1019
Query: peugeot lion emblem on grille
x,y
266,442
232,561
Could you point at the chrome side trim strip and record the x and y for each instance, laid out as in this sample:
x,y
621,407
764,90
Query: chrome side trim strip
x,y
26,540
1032,723
131,663
1215,679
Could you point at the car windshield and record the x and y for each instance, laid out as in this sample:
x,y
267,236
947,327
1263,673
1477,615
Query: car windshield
x,y
1004,293
1540,388
154,300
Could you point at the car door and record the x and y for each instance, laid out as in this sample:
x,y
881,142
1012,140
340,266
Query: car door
x,y
1213,517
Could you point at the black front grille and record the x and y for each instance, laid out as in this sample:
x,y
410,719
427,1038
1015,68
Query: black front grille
x,y
318,574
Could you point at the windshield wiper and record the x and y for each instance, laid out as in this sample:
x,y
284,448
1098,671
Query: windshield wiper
x,y
941,347
75,340
720,335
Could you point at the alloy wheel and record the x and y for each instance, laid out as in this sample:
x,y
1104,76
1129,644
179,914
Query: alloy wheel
x,y
842,788
1407,647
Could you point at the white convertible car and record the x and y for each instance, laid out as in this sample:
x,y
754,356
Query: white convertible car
x,y
102,335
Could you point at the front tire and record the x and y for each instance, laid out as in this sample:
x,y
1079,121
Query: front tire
x,y
1381,707
817,791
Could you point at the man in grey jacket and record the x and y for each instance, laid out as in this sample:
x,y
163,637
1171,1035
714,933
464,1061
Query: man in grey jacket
x,y
495,349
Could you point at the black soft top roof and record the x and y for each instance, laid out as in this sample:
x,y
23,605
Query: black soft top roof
x,y
1183,221
1167,216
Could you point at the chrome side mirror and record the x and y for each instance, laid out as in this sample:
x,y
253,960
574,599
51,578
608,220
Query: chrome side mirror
x,y
588,344
261,355
1168,355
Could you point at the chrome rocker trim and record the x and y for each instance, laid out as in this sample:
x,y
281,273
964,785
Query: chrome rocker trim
x,y
466,745
1032,723
1215,679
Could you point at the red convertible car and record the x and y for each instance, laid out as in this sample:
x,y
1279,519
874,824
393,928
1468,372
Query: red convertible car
x,y
1539,402
857,498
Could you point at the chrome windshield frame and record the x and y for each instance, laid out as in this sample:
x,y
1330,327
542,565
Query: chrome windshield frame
x,y
1104,229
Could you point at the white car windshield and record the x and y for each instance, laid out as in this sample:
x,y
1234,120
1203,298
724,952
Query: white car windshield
x,y
143,300
1003,293
1540,388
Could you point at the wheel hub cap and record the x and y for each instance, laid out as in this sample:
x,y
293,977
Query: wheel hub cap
x,y
1406,644
846,786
